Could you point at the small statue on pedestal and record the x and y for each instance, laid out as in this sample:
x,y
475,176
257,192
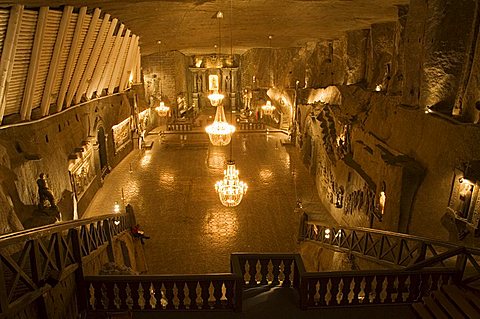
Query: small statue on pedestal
x,y
44,192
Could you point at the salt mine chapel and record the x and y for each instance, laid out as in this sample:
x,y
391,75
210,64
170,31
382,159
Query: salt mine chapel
x,y
244,159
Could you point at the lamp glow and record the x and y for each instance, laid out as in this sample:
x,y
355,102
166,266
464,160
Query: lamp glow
x,y
162,109
220,131
268,108
231,190
216,98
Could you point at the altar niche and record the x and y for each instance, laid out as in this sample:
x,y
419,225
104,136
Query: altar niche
x,y
464,201
209,73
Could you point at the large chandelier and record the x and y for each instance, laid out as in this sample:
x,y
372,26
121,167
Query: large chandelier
x,y
231,189
162,109
268,108
216,98
220,131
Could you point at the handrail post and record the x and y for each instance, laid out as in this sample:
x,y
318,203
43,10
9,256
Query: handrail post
x,y
236,270
460,264
108,231
302,227
81,291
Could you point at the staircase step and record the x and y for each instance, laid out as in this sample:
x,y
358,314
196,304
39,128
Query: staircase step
x,y
450,307
434,308
422,311
473,297
458,297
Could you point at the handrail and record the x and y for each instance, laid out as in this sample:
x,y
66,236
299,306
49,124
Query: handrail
x,y
34,233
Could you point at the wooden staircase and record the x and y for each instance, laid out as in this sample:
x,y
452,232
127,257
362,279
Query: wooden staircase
x,y
449,302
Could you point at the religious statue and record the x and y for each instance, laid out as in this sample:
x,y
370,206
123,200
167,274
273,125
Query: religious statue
x,y
44,192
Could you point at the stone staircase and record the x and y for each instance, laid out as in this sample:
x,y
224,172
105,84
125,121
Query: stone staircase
x,y
449,302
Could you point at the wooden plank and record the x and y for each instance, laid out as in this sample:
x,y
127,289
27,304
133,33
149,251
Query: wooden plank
x,y
26,108
458,297
105,78
447,304
138,77
118,64
52,71
128,63
8,53
422,311
434,308
71,59
102,61
92,61
79,70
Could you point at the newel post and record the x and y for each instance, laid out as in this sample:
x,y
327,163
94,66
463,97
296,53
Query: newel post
x,y
81,291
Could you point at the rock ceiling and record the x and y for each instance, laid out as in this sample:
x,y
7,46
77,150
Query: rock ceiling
x,y
190,26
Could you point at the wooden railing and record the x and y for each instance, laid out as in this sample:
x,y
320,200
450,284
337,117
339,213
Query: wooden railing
x,y
31,261
179,127
211,292
357,288
251,126
396,250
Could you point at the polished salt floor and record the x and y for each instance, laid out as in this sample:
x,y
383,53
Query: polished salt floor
x,y
171,188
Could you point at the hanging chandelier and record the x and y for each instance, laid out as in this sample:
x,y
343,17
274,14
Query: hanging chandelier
x,y
231,190
162,109
216,98
220,131
268,108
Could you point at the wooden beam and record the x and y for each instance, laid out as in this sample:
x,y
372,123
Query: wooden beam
x,y
79,70
26,108
8,53
139,67
92,61
118,64
57,50
97,73
134,66
105,78
128,63
71,59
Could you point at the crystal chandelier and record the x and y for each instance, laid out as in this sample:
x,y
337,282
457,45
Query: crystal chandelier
x,y
220,131
216,98
162,109
268,108
231,190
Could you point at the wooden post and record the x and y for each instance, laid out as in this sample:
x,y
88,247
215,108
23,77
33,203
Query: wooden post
x,y
81,291
105,78
26,108
8,53
108,231
69,67
79,70
93,59
52,71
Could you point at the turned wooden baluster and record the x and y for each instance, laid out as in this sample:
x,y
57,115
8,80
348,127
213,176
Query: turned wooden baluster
x,y
181,293
323,290
276,271
390,288
347,281
287,271
252,271
205,285
192,294
264,271
368,289
217,293
312,291
169,294
356,290
230,293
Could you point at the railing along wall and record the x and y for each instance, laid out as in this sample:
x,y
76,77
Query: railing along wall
x,y
31,259
396,250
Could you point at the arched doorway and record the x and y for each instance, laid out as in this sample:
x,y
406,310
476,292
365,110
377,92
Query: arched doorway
x,y
102,149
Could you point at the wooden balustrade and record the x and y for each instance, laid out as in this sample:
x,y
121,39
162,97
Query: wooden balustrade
x,y
395,249
268,269
31,259
179,127
340,289
209,292
251,126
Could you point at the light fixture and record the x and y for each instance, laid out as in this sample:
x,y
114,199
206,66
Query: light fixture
x,y
162,109
220,131
215,97
268,108
230,190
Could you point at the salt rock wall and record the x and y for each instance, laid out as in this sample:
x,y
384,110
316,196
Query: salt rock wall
x,y
46,146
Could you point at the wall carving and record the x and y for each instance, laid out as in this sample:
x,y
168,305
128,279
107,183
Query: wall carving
x,y
121,134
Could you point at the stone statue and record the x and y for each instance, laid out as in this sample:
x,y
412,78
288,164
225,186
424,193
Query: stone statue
x,y
44,192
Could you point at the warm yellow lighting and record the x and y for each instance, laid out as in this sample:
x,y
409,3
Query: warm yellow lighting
x,y
116,208
381,201
220,131
162,109
268,108
378,88
216,98
231,189
327,233
130,79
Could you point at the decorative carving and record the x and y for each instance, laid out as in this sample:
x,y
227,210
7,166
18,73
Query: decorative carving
x,y
121,134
